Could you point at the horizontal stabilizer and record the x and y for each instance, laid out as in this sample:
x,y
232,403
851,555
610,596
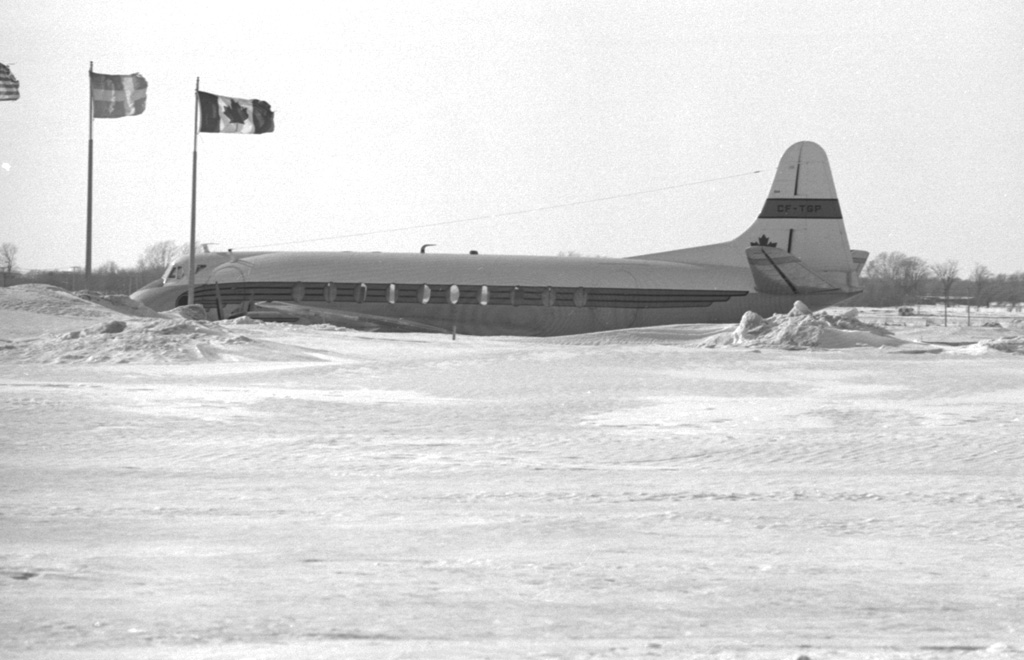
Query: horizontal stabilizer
x,y
779,272
860,257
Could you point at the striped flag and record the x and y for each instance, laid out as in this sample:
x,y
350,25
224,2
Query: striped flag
x,y
8,85
117,96
223,114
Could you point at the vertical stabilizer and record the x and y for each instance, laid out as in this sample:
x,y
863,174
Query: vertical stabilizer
x,y
802,216
804,174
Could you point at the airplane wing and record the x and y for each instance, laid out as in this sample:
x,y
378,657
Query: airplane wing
x,y
778,272
292,313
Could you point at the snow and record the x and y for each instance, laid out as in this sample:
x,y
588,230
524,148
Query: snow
x,y
835,485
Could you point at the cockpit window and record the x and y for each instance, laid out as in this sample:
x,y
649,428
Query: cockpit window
x,y
174,272
177,271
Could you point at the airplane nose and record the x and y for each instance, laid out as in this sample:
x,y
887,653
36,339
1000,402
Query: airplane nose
x,y
159,298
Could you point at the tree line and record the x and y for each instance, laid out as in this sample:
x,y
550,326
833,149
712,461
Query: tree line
x,y
894,278
107,278
889,279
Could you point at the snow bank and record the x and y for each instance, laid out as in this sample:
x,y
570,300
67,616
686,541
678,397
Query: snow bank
x,y
54,301
802,329
149,341
118,303
1013,344
29,310
119,341
41,323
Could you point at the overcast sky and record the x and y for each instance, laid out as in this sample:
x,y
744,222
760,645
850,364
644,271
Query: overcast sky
x,y
391,116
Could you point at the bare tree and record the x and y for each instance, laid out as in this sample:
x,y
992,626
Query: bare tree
x,y
8,263
981,276
881,274
897,271
947,273
910,273
884,266
158,255
8,254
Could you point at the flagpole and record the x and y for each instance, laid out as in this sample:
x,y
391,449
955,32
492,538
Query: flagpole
x,y
88,202
192,235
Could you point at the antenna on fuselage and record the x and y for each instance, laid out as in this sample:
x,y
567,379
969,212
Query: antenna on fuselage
x,y
423,248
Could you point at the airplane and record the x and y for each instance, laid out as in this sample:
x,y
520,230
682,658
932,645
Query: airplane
x,y
797,249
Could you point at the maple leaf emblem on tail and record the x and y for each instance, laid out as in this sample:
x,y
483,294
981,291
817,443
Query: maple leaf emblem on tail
x,y
235,113
763,240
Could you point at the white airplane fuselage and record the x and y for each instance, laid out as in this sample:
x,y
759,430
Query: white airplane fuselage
x,y
544,296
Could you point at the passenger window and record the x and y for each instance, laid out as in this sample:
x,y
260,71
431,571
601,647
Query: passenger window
x,y
548,297
298,292
515,296
359,293
330,292
425,294
485,295
453,294
579,297
392,294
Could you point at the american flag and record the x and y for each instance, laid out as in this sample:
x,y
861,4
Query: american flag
x,y
8,85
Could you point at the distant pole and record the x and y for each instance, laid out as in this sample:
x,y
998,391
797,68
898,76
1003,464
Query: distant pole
x,y
88,197
192,234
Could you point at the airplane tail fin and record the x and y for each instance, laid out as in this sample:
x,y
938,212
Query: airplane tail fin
x,y
801,217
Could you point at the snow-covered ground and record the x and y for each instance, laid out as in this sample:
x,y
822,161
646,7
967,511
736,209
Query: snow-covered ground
x,y
175,488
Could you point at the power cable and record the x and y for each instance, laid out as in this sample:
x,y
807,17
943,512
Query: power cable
x,y
509,213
